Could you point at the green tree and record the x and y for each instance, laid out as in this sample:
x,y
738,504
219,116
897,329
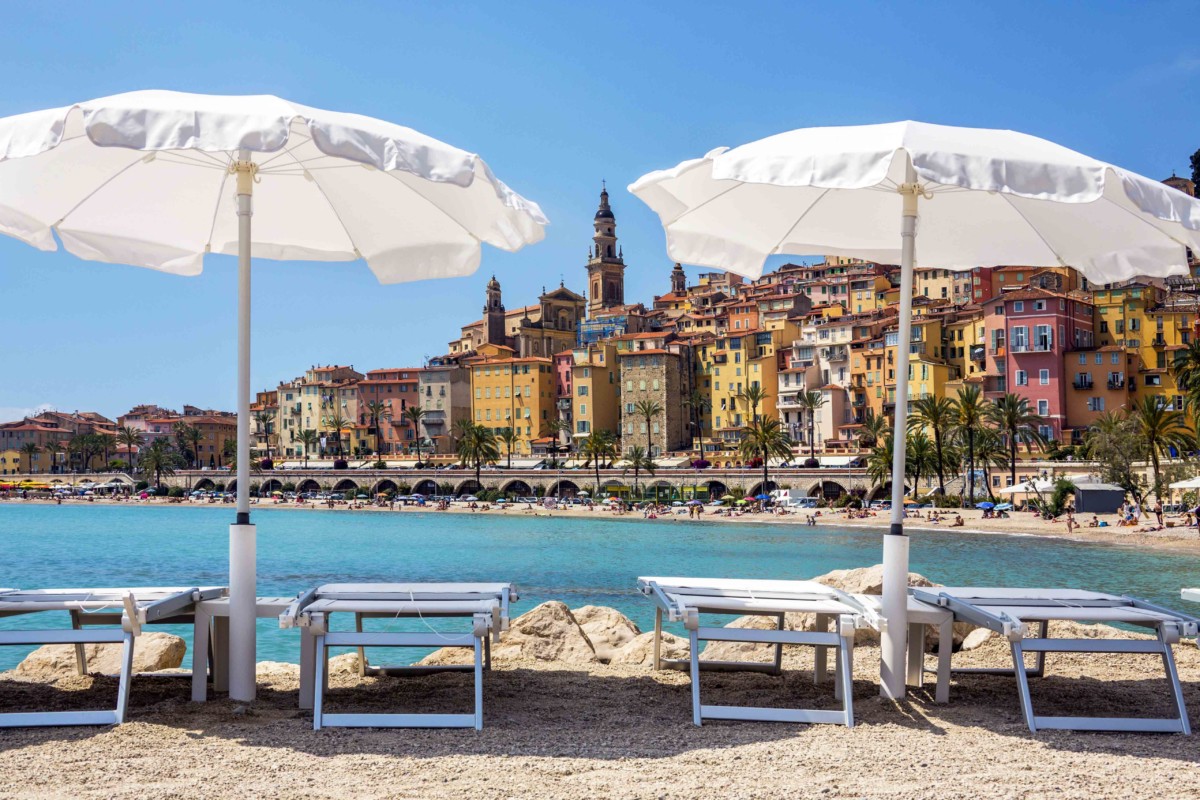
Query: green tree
x,y
30,450
189,438
919,459
84,447
599,448
159,459
936,415
509,438
263,420
416,415
1161,428
755,395
648,410
1013,417
879,463
477,447
556,428
812,402
969,414
106,443
1186,368
697,403
375,411
308,438
131,439
54,450
1116,443
337,424
874,429
991,453
765,439
639,461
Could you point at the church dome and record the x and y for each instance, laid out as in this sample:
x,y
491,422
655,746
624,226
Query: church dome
x,y
493,284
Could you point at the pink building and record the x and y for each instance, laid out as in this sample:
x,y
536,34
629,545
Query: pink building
x,y
1028,331
563,390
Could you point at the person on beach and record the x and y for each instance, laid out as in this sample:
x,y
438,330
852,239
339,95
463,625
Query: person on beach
x,y
958,521
1158,512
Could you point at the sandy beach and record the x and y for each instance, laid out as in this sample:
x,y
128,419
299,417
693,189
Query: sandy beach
x,y
1178,539
556,730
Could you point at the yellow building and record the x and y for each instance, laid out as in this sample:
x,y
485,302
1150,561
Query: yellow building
x,y
868,293
936,284
13,462
733,364
509,392
965,339
596,382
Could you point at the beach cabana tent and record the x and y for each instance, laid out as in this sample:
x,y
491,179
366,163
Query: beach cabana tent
x,y
984,197
1098,498
160,179
1028,487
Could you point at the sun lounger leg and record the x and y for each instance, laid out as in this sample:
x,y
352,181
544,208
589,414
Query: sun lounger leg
x,y
362,651
80,653
945,648
846,679
1039,669
657,639
838,662
821,654
319,680
916,654
695,658
487,652
478,686
1023,685
220,654
125,678
779,649
201,624
1173,678
308,665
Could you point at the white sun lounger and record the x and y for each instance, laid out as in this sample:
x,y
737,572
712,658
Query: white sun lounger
x,y
685,599
485,604
131,608
1010,612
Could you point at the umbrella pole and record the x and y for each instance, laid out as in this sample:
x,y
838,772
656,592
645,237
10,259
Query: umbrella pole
x,y
895,542
242,546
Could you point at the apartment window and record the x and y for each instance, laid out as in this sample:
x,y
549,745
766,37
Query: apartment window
x,y
1022,378
1044,377
1018,306
1043,407
1083,358
1099,358
582,409
1019,337
1046,431
583,390
1116,358
1039,305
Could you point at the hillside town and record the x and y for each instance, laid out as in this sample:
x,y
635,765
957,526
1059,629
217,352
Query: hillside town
x,y
686,377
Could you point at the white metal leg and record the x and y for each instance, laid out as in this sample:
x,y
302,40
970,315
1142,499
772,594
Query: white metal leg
x,y
201,630
112,716
308,666
221,654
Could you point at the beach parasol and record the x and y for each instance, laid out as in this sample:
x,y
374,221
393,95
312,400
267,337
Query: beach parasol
x,y
985,505
985,197
160,179
728,497
1004,507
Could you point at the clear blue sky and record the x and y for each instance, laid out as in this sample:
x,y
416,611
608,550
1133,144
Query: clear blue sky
x,y
555,96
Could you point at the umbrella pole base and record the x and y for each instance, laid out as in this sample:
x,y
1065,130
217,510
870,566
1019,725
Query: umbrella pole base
x,y
243,615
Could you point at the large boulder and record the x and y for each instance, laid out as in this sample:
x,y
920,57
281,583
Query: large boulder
x,y
607,629
152,651
549,632
639,651
748,651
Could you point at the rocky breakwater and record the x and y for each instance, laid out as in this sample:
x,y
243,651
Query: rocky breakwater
x,y
586,635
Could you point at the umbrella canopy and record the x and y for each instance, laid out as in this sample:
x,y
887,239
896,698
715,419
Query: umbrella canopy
x,y
728,497
1027,487
1190,483
985,505
985,197
1004,507
160,179
762,497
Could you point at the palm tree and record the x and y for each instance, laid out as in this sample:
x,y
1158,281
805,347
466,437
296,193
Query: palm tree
x,y
376,411
755,395
879,463
969,414
83,447
557,427
1186,369
600,447
990,451
414,414
697,403
648,410
1162,428
936,414
158,460
189,438
477,447
53,449
264,420
131,438
107,443
874,429
29,450
338,423
811,402
639,461
918,457
765,439
308,438
509,437
1013,417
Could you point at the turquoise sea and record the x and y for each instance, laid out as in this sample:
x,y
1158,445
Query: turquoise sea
x,y
578,561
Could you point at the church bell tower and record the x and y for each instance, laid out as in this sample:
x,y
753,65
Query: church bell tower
x,y
606,262
493,315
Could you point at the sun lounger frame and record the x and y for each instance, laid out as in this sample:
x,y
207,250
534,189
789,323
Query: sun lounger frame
x,y
1000,610
486,604
684,599
131,608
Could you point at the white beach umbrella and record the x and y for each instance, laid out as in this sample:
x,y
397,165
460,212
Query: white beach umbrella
x,y
159,179
984,197
1190,483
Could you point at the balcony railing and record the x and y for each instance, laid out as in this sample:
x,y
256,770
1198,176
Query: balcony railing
x,y
996,351
1082,384
1116,384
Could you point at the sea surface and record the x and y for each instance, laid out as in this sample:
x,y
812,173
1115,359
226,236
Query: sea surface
x,y
577,560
